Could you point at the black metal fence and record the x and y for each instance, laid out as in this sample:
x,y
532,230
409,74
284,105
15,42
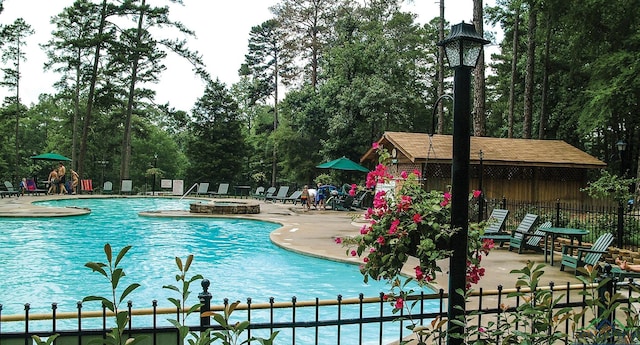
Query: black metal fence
x,y
597,219
362,320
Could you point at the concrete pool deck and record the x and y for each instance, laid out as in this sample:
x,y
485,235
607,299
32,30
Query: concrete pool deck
x,y
310,232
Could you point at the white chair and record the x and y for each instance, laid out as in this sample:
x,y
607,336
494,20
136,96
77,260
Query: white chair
x,y
126,187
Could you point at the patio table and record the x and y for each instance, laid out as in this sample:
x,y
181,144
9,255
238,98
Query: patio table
x,y
571,233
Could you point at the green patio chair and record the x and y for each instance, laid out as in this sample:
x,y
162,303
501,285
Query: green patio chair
x,y
494,231
528,240
585,255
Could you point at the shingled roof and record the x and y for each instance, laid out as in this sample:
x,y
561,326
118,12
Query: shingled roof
x,y
420,147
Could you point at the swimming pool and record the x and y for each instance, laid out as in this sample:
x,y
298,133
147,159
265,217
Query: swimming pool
x,y
42,260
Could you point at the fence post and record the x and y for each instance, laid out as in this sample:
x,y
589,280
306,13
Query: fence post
x,y
205,300
605,293
557,212
620,225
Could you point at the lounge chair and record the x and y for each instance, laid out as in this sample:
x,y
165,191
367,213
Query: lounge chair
x,y
530,240
359,199
107,187
585,255
282,193
126,187
223,189
259,193
343,203
522,232
269,193
203,189
33,189
10,189
86,186
294,197
495,225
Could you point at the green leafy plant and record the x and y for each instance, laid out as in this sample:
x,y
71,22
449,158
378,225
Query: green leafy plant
x,y
181,303
113,273
231,331
48,341
610,186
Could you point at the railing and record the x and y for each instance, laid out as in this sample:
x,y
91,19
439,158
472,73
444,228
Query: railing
x,y
362,320
595,218
195,185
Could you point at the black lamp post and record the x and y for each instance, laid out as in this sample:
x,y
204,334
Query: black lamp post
x,y
481,197
462,47
155,164
621,145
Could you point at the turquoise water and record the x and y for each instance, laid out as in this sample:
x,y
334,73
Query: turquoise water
x,y
42,260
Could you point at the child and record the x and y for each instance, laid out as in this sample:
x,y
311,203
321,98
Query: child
x,y
304,198
23,186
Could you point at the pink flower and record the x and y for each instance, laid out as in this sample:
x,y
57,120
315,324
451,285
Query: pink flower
x,y
477,193
444,203
380,240
419,274
353,189
366,259
404,174
417,218
372,250
405,203
364,229
338,240
394,226
354,253
399,303
417,172
375,146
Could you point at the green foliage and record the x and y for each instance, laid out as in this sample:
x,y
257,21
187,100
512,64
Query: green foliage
x,y
181,303
231,331
610,186
113,273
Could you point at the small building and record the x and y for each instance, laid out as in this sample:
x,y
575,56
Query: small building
x,y
517,169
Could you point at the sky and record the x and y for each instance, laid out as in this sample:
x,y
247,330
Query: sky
x,y
222,31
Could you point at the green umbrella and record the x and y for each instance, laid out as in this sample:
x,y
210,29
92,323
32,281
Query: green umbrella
x,y
343,163
50,156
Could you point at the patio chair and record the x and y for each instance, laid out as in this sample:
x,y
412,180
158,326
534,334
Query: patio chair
x,y
494,231
259,193
585,255
86,186
294,197
10,189
269,193
203,189
359,199
126,187
33,189
282,193
531,241
223,189
524,232
107,187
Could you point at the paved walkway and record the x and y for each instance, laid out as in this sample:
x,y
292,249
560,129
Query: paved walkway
x,y
312,233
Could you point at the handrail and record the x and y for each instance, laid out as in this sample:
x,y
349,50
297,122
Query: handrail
x,y
189,191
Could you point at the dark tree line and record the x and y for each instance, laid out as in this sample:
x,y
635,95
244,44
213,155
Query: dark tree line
x,y
321,79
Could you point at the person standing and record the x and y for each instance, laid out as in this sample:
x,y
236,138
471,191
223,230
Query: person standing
x,y
304,198
53,181
62,180
74,181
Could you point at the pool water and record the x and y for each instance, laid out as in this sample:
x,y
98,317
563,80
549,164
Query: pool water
x,y
42,259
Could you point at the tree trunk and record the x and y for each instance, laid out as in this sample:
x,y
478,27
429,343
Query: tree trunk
x,y
126,140
479,98
545,81
514,69
92,90
529,79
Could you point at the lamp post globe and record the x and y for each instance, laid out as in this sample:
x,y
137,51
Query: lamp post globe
x,y
462,48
